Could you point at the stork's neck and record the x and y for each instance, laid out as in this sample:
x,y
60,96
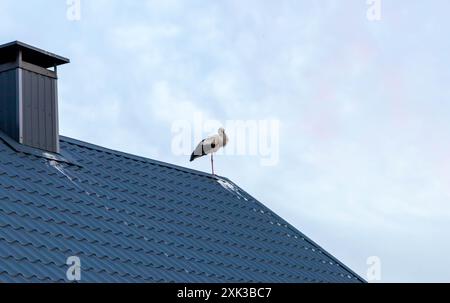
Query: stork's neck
x,y
224,138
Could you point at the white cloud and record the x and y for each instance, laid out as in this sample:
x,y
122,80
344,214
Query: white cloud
x,y
168,105
139,36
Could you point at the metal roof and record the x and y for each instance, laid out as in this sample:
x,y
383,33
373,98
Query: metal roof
x,y
132,219
30,54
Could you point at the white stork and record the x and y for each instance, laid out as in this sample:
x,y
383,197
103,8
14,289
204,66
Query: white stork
x,y
210,145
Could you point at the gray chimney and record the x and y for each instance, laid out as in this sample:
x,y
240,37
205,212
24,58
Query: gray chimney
x,y
29,95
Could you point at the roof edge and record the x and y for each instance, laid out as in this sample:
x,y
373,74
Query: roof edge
x,y
137,158
308,239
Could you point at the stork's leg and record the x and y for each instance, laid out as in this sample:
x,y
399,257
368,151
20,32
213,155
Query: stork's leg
x,y
212,163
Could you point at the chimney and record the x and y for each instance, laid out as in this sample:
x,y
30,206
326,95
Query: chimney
x,y
29,95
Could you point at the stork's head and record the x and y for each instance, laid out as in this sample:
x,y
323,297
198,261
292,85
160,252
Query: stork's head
x,y
221,131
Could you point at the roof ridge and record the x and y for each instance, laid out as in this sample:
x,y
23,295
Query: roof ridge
x,y
306,238
138,158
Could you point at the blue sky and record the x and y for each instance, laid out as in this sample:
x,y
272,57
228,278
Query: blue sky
x,y
363,106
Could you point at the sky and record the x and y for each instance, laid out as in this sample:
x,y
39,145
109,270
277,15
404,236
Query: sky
x,y
363,105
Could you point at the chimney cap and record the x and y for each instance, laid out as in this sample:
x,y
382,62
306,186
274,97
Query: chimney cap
x,y
30,54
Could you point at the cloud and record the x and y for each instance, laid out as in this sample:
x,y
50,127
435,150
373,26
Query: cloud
x,y
139,37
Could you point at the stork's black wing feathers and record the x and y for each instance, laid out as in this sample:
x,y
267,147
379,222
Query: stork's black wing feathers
x,y
198,152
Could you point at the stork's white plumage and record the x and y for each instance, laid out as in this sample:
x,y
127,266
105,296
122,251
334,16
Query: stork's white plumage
x,y
210,145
